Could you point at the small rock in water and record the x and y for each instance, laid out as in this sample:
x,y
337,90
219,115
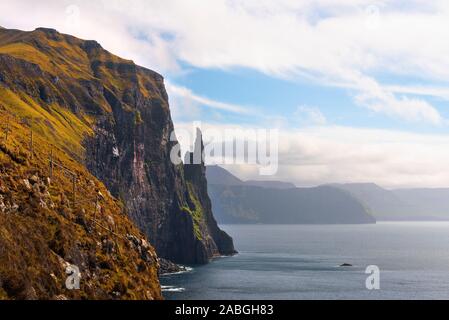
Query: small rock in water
x,y
346,265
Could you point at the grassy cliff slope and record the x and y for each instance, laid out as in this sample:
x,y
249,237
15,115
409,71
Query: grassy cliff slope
x,y
48,89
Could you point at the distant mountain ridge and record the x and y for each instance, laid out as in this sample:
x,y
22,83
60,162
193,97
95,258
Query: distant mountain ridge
x,y
414,204
401,204
218,175
238,202
270,184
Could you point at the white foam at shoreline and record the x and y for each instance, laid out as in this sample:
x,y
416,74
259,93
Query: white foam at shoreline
x,y
172,289
187,269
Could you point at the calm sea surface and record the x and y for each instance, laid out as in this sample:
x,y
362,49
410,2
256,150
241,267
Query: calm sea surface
x,y
302,262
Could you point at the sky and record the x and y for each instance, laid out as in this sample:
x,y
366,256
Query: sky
x,y
357,89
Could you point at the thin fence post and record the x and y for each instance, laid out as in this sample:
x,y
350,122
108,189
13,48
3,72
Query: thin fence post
x,y
74,189
95,212
31,145
7,129
51,164
115,236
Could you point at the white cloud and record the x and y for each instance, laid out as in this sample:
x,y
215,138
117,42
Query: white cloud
x,y
381,99
328,154
309,116
342,42
389,158
185,98
435,91
338,43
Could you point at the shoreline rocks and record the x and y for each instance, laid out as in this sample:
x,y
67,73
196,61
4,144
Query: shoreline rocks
x,y
167,267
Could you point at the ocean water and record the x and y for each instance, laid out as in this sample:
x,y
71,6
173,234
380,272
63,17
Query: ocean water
x,y
303,262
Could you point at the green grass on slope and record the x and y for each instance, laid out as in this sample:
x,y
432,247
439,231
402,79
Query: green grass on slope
x,y
196,213
56,124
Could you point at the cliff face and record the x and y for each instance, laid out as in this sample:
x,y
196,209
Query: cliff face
x,y
48,223
108,121
122,126
130,152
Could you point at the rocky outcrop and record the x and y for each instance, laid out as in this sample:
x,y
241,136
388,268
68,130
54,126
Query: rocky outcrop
x,y
113,117
216,241
130,152
167,267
